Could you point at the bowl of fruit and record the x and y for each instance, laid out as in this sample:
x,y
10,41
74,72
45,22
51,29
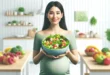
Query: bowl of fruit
x,y
55,44
90,50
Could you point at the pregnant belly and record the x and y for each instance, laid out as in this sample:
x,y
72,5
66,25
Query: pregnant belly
x,y
55,66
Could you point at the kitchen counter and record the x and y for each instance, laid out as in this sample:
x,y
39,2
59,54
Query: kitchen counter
x,y
10,38
92,66
18,68
18,38
27,43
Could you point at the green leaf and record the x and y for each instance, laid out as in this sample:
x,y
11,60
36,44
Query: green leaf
x,y
108,34
93,21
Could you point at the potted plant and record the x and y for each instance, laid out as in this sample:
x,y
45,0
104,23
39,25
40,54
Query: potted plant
x,y
9,24
21,10
14,22
108,34
93,21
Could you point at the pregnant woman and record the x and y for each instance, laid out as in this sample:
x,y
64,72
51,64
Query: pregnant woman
x,y
54,23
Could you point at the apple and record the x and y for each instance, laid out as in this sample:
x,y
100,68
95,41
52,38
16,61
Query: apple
x,y
107,54
5,54
100,58
91,50
96,54
1,59
14,56
23,52
5,60
8,60
106,61
19,54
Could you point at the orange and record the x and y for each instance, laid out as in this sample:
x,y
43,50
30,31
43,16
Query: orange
x,y
97,54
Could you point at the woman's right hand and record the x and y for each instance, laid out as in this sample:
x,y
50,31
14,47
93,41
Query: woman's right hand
x,y
50,56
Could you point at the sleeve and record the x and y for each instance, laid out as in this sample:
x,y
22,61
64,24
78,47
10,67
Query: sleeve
x,y
37,42
72,45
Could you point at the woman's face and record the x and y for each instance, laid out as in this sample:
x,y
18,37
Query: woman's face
x,y
54,15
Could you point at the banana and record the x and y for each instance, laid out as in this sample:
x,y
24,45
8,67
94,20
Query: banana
x,y
7,50
92,46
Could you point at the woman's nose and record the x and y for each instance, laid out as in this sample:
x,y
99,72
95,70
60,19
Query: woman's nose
x,y
54,15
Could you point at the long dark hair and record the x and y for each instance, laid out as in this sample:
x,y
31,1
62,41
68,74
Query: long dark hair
x,y
47,22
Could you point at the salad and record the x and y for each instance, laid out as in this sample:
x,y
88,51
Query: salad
x,y
56,41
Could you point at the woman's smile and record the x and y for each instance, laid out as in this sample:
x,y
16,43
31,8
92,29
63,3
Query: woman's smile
x,y
54,20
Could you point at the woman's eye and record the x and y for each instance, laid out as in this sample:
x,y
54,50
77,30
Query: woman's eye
x,y
58,13
50,13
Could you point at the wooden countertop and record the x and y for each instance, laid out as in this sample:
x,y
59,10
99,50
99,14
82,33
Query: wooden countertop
x,y
88,38
92,65
30,38
18,66
18,38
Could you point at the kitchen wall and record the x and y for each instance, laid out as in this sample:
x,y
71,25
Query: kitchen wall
x,y
98,8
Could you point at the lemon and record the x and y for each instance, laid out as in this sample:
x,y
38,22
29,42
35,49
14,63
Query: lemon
x,y
1,54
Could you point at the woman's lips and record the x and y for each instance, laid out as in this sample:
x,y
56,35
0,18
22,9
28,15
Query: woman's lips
x,y
54,20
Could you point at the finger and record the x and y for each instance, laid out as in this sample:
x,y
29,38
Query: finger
x,y
56,57
51,56
62,55
59,56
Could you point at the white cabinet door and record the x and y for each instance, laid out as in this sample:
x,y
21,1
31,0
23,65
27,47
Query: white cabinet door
x,y
26,44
